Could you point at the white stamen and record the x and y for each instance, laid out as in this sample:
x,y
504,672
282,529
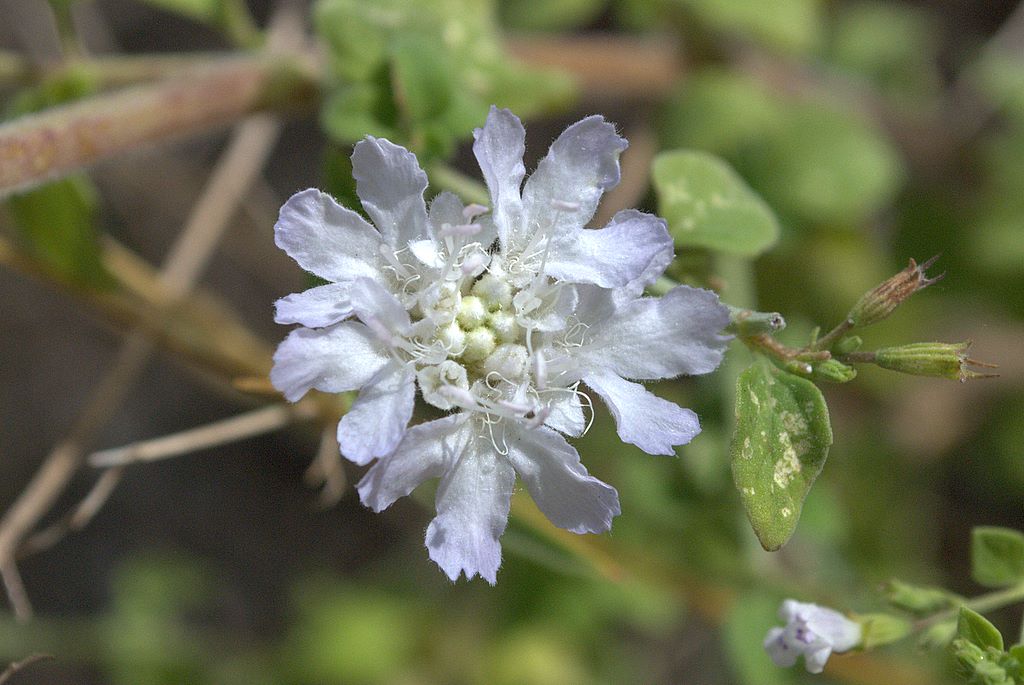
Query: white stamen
x,y
473,264
565,206
459,229
540,370
473,210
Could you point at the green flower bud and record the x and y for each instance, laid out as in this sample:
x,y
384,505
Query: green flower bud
x,y
881,629
746,323
850,343
920,601
943,360
832,370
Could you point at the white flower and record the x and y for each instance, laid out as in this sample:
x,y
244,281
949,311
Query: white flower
x,y
498,317
813,631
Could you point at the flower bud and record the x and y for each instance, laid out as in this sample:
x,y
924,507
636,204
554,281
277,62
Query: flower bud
x,y
918,600
833,370
882,629
879,303
944,360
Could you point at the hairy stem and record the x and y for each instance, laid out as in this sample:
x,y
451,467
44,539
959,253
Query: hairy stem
x,y
53,143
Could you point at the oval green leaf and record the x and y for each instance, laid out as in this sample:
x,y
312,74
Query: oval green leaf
x,y
997,556
780,445
978,630
707,204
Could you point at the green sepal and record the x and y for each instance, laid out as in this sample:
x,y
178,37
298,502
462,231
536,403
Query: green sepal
x,y
997,556
780,445
881,629
707,204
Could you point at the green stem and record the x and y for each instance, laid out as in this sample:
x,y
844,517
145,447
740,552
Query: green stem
x,y
981,604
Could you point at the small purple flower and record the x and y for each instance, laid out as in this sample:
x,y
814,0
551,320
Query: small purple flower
x,y
501,316
813,631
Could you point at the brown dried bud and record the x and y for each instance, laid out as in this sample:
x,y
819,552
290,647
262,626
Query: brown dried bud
x,y
880,302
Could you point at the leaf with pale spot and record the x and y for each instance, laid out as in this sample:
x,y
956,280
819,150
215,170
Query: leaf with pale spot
x,y
779,447
707,204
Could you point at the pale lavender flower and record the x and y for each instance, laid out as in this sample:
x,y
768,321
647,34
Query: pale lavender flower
x,y
813,631
497,315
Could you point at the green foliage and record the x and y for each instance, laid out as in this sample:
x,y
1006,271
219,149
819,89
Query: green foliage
x,y
812,161
423,75
792,26
708,205
780,445
352,635
825,165
979,653
57,224
978,630
997,556
548,15
719,111
892,44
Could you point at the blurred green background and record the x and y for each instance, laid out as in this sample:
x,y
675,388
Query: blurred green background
x,y
878,131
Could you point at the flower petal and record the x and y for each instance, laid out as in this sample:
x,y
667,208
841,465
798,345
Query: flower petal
x,y
663,337
390,183
567,415
426,451
378,308
641,417
327,239
560,485
612,256
472,511
499,148
446,208
582,163
336,359
781,653
375,424
315,308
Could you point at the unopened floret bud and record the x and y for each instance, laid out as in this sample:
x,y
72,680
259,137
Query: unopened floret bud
x,y
833,371
879,303
942,360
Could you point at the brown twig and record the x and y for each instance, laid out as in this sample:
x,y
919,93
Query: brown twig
x,y
245,156
247,425
43,146
607,66
16,666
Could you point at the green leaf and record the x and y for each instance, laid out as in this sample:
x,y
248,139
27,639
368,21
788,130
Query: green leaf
x,y
707,204
789,25
997,556
825,166
977,629
56,224
779,448
719,111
